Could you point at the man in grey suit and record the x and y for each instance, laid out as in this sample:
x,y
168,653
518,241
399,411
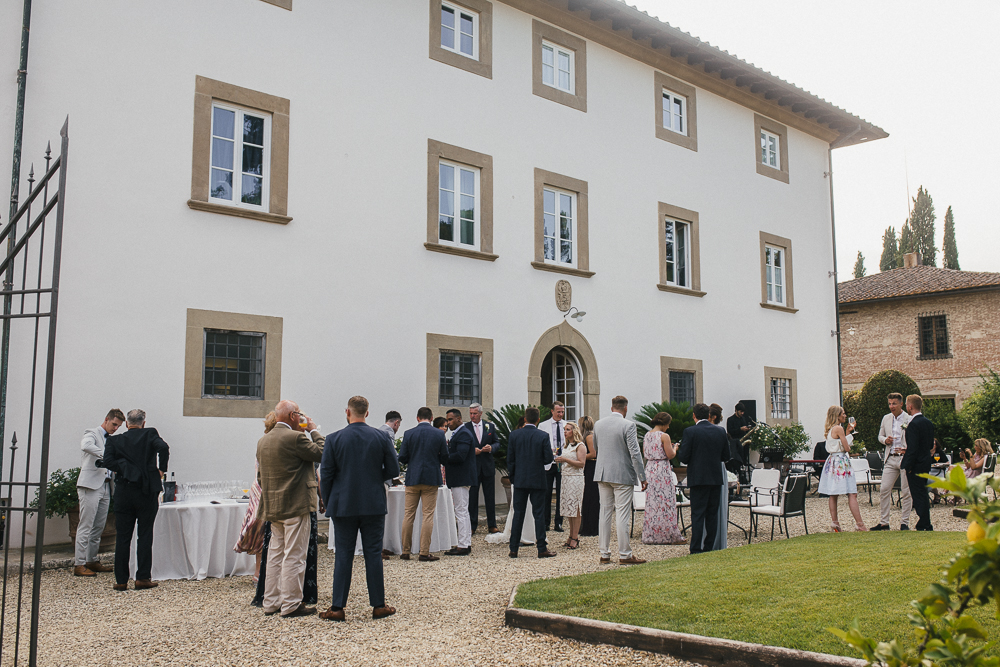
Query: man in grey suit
x,y
93,487
619,468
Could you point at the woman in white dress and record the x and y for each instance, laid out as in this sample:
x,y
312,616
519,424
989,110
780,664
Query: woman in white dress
x,y
571,462
837,478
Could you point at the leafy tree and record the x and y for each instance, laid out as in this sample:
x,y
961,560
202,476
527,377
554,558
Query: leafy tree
x,y
906,243
681,413
859,266
981,412
872,404
890,251
947,425
949,249
921,221
947,635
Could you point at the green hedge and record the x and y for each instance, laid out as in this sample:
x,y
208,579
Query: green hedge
x,y
872,404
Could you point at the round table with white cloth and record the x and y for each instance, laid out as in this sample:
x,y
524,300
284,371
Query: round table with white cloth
x,y
195,539
445,534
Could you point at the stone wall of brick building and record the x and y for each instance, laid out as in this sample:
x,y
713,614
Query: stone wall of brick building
x,y
886,336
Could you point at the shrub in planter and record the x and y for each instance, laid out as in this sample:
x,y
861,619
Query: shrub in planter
x,y
777,441
505,419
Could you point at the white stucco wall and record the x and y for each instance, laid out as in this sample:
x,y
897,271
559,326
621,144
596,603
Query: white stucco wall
x,y
349,275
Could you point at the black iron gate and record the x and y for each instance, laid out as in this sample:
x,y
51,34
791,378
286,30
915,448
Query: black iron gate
x,y
31,296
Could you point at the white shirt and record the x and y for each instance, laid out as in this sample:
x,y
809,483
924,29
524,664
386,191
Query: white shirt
x,y
897,431
552,427
107,473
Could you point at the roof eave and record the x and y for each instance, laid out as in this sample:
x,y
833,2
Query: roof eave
x,y
919,295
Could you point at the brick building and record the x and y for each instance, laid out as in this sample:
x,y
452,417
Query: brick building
x,y
939,326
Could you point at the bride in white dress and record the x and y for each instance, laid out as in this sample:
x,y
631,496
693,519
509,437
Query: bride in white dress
x,y
527,532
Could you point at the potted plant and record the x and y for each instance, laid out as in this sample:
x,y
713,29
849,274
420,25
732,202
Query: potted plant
x,y
776,443
61,499
682,417
505,420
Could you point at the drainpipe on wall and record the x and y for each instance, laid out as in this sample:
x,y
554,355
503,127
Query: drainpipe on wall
x,y
15,179
833,231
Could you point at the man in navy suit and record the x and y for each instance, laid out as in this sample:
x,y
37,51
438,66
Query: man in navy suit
x,y
356,462
528,453
917,459
460,472
703,447
485,440
424,451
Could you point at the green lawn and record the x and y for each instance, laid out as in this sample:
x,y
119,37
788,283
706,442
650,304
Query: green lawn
x,y
781,593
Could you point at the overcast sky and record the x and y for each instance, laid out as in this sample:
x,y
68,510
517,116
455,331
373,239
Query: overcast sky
x,y
923,71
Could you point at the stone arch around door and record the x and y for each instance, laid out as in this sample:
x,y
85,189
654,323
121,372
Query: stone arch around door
x,y
566,336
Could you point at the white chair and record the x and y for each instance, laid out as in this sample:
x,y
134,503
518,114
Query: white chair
x,y
863,475
682,502
638,504
793,503
763,490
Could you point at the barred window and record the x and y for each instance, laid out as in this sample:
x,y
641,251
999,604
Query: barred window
x,y
682,389
459,379
933,336
234,364
781,398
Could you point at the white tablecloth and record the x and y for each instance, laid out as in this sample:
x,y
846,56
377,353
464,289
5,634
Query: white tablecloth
x,y
195,539
445,534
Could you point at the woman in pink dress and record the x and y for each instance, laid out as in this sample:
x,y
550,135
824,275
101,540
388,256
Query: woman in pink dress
x,y
660,522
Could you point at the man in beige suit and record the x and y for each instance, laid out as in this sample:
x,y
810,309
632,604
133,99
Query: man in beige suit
x,y
892,434
288,485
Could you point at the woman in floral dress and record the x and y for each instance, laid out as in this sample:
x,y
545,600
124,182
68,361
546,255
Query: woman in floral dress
x,y
837,478
659,524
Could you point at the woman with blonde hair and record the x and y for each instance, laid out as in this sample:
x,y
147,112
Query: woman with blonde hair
x,y
837,478
974,462
590,511
573,458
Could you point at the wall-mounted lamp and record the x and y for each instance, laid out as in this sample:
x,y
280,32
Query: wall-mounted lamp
x,y
576,316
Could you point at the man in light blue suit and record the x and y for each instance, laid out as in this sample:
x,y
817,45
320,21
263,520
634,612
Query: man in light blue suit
x,y
356,462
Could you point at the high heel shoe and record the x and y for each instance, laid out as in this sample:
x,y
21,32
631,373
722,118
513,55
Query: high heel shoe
x,y
835,527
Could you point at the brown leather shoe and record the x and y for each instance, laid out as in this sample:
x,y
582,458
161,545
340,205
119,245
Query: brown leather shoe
x,y
83,571
605,561
404,557
98,566
631,561
145,583
301,610
494,531
332,614
458,551
427,559
120,587
547,554
383,611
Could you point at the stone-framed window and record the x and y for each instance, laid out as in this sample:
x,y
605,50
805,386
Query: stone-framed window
x,y
781,396
676,111
459,372
776,284
447,225
232,364
681,376
562,225
461,34
680,250
771,144
551,46
240,137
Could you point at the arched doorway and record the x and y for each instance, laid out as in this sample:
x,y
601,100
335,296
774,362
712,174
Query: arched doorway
x,y
563,367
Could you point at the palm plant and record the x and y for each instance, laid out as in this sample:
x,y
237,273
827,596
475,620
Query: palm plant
x,y
681,413
505,420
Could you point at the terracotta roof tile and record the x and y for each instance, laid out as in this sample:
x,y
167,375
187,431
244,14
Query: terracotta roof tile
x,y
913,281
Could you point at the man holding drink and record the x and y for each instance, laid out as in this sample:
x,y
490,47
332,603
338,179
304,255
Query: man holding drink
x,y
892,434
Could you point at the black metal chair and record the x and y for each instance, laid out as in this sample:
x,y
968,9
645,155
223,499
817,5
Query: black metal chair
x,y
792,504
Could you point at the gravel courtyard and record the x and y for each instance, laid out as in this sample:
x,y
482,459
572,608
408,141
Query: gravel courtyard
x,y
449,612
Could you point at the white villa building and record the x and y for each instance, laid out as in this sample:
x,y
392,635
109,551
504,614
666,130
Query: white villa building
x,y
312,199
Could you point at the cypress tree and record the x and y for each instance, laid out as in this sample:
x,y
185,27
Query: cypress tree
x,y
890,251
859,266
922,220
949,250
905,243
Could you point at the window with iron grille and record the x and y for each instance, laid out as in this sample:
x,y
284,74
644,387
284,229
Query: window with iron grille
x,y
781,398
234,364
459,379
933,336
682,389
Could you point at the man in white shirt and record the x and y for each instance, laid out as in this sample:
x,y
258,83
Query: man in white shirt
x,y
93,487
554,429
892,434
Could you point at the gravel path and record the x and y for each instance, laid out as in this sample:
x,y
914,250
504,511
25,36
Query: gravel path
x,y
450,612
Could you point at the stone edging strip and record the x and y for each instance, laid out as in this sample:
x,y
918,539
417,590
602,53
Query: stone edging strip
x,y
693,648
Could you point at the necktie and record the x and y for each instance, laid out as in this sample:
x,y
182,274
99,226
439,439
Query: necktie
x,y
479,434
558,438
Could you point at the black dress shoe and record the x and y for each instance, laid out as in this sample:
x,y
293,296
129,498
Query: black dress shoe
x,y
902,526
881,526
512,554
558,529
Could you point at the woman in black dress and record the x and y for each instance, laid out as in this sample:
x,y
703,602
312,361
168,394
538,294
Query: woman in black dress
x,y
591,509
